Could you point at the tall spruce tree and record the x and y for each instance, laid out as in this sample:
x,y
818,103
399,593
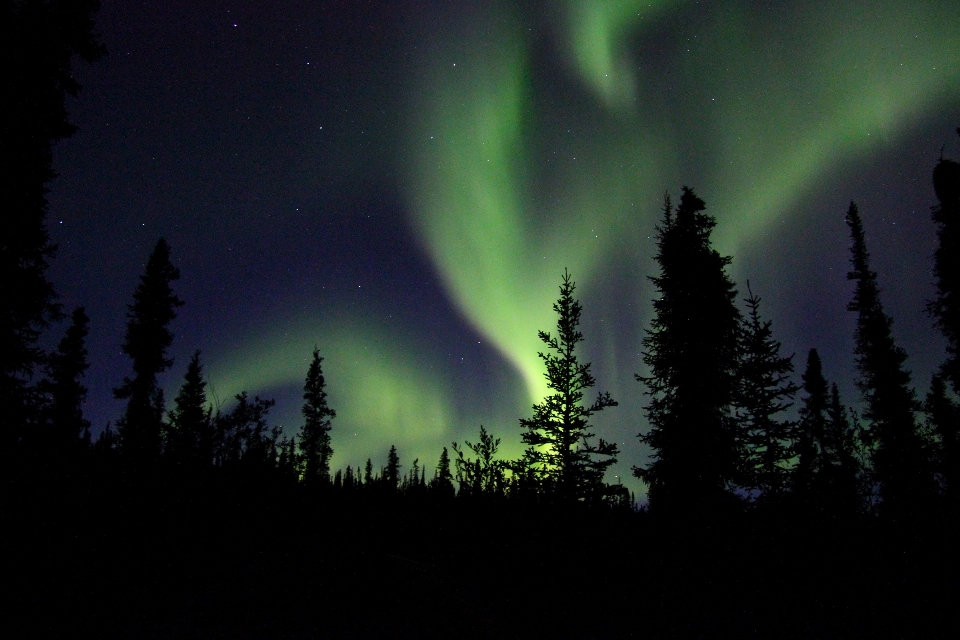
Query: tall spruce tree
x,y
559,437
765,392
189,430
691,355
68,430
391,473
901,458
314,436
942,408
42,39
368,473
943,418
148,338
442,483
842,464
812,428
945,307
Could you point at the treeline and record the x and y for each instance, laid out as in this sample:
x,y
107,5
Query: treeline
x,y
719,397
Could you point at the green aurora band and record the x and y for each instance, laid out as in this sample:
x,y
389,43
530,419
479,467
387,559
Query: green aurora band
x,y
512,176
380,391
777,106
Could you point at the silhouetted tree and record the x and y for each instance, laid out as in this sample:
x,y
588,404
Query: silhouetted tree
x,y
368,473
391,473
483,475
442,482
244,441
68,431
315,448
901,457
559,436
414,483
945,307
943,416
106,443
148,338
350,480
691,354
189,432
841,464
943,411
41,40
764,393
287,462
811,433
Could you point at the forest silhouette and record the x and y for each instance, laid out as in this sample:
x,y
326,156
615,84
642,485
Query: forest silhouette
x,y
185,519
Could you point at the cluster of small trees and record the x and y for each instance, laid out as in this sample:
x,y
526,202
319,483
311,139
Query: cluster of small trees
x,y
194,436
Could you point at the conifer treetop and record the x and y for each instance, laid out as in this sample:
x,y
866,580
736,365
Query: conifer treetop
x,y
559,436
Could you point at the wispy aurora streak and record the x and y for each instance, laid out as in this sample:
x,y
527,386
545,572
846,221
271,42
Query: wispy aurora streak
x,y
832,87
761,102
498,238
597,33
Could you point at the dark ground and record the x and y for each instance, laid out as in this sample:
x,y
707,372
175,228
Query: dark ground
x,y
106,564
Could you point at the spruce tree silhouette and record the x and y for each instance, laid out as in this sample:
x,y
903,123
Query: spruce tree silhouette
x,y
147,340
288,463
442,483
826,480
42,39
901,461
559,437
245,445
842,468
414,484
483,475
391,473
691,354
68,431
314,435
943,411
765,392
368,474
349,479
811,434
189,430
338,480
945,307
943,417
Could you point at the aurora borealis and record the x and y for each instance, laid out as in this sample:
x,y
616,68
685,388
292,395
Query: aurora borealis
x,y
402,184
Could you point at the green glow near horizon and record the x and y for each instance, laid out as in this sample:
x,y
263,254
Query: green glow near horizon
x,y
382,394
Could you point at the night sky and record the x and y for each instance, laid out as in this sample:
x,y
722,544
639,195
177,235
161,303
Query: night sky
x,y
402,183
